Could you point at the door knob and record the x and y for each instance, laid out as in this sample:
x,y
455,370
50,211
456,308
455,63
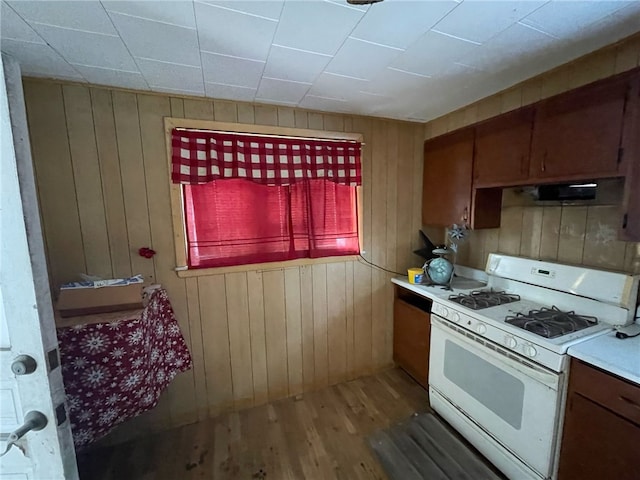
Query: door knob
x,y
33,420
24,365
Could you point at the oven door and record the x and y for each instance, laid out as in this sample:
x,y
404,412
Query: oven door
x,y
515,402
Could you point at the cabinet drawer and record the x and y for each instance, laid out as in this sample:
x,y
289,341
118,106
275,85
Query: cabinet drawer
x,y
617,395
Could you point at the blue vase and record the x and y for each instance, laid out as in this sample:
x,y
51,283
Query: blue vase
x,y
440,270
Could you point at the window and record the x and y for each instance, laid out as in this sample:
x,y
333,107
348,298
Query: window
x,y
246,199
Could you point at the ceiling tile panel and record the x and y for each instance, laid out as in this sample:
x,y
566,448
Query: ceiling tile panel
x,y
614,27
158,41
337,86
231,70
230,92
410,59
363,103
432,53
170,75
478,21
232,33
174,12
517,44
118,78
360,59
390,82
344,4
281,91
400,23
291,64
14,27
264,8
315,26
89,16
85,48
564,19
39,59
324,104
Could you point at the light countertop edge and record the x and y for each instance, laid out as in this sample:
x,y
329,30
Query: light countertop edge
x,y
619,357
466,280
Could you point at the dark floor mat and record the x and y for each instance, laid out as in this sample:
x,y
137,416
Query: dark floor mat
x,y
424,448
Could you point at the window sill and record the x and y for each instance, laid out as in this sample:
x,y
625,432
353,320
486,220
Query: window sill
x,y
201,272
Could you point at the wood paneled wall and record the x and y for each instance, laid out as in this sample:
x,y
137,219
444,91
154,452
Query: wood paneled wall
x,y
584,235
581,234
254,336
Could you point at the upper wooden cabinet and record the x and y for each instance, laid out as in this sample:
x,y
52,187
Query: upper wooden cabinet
x,y
446,187
577,134
447,193
630,223
502,149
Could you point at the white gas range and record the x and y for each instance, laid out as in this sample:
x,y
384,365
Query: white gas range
x,y
495,378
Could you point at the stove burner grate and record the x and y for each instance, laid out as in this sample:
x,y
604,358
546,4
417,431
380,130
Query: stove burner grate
x,y
480,299
551,322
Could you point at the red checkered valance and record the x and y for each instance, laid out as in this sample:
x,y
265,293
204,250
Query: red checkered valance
x,y
201,157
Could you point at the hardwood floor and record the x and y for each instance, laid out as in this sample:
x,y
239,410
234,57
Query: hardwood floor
x,y
320,435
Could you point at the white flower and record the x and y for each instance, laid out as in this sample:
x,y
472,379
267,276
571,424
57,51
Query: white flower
x,y
79,362
159,330
148,398
131,381
135,337
112,399
137,362
155,355
117,352
458,232
161,375
84,416
174,329
108,416
82,436
96,375
179,362
114,325
73,403
95,343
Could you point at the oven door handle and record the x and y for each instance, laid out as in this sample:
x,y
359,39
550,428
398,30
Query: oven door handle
x,y
498,353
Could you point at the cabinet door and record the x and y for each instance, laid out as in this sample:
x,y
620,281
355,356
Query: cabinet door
x,y
502,149
446,187
577,135
630,230
411,340
597,444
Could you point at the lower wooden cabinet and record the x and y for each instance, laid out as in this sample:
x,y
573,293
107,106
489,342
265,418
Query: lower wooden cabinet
x,y
411,334
602,427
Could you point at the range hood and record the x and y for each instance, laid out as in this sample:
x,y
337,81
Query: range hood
x,y
565,191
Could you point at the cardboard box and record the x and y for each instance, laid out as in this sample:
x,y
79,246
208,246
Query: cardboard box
x,y
85,301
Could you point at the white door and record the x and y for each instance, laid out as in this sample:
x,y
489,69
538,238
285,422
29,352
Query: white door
x,y
26,317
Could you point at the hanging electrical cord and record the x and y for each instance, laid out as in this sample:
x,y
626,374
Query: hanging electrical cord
x,y
378,266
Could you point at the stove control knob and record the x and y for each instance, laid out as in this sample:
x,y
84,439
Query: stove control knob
x,y
530,351
481,328
455,316
510,341
443,311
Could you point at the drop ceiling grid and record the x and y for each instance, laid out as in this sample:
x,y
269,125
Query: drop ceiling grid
x,y
397,59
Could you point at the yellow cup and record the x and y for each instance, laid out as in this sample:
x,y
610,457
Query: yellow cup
x,y
415,275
